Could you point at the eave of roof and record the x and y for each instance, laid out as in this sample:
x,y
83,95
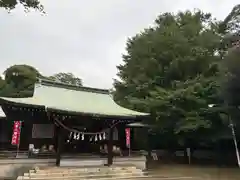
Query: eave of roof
x,y
2,114
139,125
55,96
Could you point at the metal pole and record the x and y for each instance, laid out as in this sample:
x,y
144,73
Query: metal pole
x,y
189,155
235,141
129,150
17,151
233,135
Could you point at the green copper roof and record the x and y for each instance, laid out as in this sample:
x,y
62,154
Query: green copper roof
x,y
63,97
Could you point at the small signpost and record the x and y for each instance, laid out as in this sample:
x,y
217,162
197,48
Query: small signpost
x,y
16,134
128,141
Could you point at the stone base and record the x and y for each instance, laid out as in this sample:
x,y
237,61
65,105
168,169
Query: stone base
x,y
138,162
12,168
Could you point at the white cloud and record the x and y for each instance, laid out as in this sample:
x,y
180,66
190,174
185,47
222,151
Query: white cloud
x,y
85,37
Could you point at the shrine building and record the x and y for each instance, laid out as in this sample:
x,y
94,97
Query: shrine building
x,y
63,120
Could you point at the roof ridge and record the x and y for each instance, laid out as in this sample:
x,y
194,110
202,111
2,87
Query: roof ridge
x,y
47,82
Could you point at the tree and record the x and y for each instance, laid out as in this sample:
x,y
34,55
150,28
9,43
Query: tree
x,y
11,4
230,26
231,77
171,71
17,73
19,81
67,78
230,29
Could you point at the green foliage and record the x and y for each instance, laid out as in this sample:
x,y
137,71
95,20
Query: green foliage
x,y
19,73
67,78
174,70
231,24
230,30
2,83
20,79
171,70
11,4
231,77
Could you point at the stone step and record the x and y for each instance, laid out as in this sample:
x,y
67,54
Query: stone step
x,y
65,173
88,177
107,178
71,169
133,177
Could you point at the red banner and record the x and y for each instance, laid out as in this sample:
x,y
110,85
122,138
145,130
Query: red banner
x,y
127,131
16,133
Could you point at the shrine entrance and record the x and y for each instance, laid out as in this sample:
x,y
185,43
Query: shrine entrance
x,y
103,139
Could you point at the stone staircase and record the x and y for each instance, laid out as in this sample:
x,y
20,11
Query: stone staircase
x,y
91,173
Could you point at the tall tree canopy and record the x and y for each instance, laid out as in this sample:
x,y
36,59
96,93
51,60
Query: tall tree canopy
x,y
171,70
230,29
231,24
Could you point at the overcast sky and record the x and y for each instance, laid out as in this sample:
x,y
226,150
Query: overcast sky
x,y
86,38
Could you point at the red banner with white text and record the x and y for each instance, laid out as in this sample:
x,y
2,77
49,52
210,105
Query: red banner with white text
x,y
127,131
16,133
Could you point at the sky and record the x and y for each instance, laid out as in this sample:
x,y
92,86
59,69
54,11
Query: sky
x,y
86,38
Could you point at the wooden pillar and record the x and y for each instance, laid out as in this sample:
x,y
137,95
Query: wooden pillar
x,y
148,159
59,135
110,147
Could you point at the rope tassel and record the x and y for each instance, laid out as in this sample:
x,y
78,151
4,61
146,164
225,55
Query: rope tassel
x,y
78,136
104,135
70,135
